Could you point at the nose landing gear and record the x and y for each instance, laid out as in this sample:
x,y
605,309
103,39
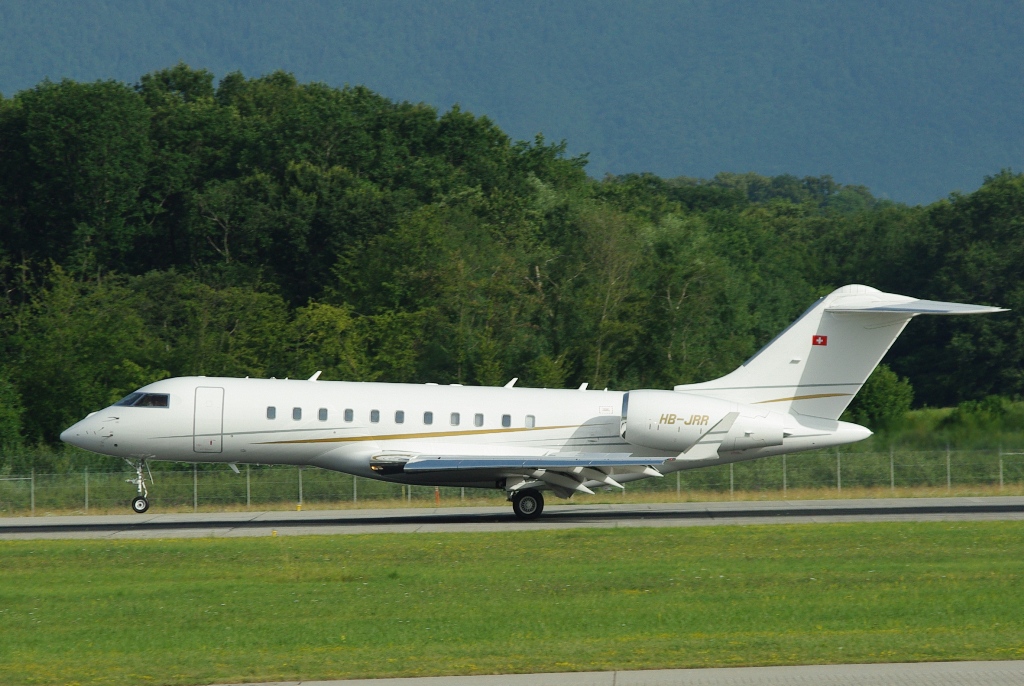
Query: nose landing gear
x,y
139,503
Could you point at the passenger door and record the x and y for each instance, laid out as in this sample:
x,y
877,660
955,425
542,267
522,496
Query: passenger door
x,y
208,424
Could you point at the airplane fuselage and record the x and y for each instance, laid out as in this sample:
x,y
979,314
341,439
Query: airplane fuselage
x,y
353,427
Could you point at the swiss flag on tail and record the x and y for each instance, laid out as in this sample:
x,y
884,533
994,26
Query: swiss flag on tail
x,y
819,340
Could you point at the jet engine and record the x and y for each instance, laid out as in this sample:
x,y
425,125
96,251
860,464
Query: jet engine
x,y
674,421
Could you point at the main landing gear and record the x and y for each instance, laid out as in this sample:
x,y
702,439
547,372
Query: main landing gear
x,y
528,503
139,503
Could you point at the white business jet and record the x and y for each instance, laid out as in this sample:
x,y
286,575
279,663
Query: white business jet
x,y
524,441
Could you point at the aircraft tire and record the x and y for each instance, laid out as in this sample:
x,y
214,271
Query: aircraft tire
x,y
139,505
528,504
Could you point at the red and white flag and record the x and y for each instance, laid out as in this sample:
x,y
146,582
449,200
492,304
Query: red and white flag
x,y
819,340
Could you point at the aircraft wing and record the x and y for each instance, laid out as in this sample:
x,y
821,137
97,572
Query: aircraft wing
x,y
437,463
563,473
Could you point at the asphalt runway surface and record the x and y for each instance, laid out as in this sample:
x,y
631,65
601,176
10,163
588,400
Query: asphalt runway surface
x,y
477,519
1010,673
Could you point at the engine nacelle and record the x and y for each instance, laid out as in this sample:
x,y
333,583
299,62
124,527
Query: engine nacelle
x,y
674,421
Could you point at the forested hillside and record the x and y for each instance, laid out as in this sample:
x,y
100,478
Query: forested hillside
x,y
266,227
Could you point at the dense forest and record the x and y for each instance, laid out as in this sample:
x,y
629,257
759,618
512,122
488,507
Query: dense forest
x,y
267,227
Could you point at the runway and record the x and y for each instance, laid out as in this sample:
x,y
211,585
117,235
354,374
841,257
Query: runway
x,y
1010,673
488,519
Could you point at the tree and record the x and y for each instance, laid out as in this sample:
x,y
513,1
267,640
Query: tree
x,y
882,402
79,346
76,163
11,411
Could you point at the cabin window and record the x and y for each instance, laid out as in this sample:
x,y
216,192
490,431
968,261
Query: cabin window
x,y
322,414
531,421
271,412
374,416
478,420
349,415
399,416
428,417
296,413
506,420
455,418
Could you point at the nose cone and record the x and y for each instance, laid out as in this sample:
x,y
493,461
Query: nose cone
x,y
73,435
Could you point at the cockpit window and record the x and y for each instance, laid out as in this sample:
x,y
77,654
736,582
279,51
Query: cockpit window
x,y
145,400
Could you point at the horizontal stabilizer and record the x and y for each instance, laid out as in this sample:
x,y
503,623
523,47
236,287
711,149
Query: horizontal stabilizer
x,y
917,307
438,463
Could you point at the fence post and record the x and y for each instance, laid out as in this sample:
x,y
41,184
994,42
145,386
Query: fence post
x,y
87,490
1000,467
248,489
949,481
195,487
785,485
408,493
462,493
731,481
300,487
839,472
679,487
355,492
892,471
32,492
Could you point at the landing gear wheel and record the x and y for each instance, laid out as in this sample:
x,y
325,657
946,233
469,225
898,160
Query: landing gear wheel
x,y
139,503
527,504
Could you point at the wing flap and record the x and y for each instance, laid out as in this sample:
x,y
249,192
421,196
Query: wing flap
x,y
442,463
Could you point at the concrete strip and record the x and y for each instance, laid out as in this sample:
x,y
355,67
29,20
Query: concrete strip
x,y
492,519
1010,673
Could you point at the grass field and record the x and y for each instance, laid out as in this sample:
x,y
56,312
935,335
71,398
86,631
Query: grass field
x,y
287,608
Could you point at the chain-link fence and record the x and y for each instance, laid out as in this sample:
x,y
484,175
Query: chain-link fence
x,y
894,470
253,487
263,486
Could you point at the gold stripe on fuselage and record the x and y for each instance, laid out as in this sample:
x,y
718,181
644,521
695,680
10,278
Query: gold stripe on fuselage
x,y
804,397
435,434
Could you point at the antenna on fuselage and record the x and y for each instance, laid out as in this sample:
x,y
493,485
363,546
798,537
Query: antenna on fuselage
x,y
512,383
315,376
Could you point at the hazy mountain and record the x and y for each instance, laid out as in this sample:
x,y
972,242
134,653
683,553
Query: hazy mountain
x,y
913,99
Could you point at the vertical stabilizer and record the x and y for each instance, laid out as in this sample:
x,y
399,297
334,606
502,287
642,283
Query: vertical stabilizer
x,y
821,360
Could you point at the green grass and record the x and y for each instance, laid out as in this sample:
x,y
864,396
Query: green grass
x,y
287,608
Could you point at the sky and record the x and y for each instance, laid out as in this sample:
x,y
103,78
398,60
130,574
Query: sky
x,y
915,100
